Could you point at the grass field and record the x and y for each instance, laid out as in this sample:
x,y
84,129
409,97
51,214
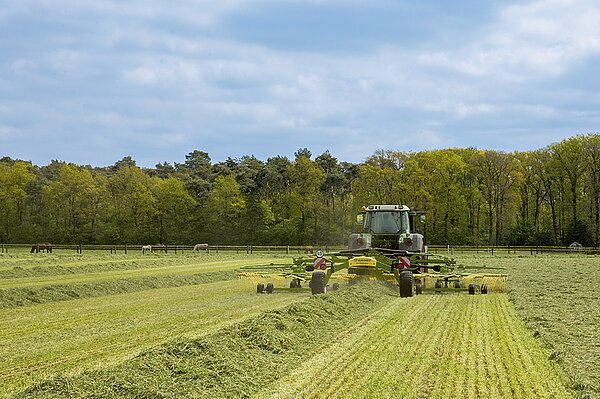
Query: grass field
x,y
431,346
557,296
70,336
354,342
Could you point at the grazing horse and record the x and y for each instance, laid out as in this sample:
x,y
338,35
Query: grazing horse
x,y
199,247
41,247
160,247
146,248
308,249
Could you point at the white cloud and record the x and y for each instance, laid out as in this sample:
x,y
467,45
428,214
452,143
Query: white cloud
x,y
529,41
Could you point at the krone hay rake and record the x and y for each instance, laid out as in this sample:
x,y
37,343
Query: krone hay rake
x,y
389,248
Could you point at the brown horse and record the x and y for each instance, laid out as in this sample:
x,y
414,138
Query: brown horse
x,y
201,247
40,247
159,247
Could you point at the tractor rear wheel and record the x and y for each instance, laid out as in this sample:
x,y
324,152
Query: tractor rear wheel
x,y
418,289
471,289
317,285
270,288
406,283
260,288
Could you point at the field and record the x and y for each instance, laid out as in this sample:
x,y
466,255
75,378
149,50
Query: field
x,y
181,325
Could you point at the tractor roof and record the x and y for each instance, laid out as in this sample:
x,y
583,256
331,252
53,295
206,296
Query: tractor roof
x,y
371,208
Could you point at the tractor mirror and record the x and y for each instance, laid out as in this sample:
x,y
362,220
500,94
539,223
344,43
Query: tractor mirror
x,y
360,218
422,218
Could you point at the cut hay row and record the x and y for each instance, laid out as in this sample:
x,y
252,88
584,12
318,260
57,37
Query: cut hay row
x,y
26,296
128,270
431,346
235,361
68,337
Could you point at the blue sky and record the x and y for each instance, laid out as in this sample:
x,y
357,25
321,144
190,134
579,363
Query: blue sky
x,y
93,81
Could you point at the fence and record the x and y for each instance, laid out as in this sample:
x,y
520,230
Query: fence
x,y
492,250
172,249
291,249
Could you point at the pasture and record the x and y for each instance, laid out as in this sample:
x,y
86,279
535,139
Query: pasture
x,y
168,325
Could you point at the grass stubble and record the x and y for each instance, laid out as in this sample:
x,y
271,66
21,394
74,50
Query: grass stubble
x,y
558,299
431,346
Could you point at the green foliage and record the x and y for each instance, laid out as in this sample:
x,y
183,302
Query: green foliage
x,y
523,233
471,196
224,208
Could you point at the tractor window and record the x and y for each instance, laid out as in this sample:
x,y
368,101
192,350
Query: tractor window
x,y
387,222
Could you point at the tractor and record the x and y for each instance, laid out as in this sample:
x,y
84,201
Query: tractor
x,y
389,247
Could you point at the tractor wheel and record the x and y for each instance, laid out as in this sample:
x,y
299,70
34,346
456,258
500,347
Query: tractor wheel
x,y
457,284
418,289
471,289
317,285
484,289
336,286
293,284
438,284
406,284
260,288
270,288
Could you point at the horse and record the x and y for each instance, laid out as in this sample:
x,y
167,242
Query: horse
x,y
160,247
308,249
199,247
146,248
40,247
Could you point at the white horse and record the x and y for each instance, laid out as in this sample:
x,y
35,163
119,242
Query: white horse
x,y
146,248
203,247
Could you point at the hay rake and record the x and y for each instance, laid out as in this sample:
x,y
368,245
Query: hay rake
x,y
388,248
413,273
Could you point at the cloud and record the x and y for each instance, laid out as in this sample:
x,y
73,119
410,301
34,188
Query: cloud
x,y
158,72
534,40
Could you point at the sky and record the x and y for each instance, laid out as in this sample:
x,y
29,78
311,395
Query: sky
x,y
91,82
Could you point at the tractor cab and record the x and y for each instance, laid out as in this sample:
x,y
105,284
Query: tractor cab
x,y
388,227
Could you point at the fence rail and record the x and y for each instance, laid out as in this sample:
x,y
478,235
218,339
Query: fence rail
x,y
175,248
296,249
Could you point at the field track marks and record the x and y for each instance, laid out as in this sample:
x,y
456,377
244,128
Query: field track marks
x,y
431,346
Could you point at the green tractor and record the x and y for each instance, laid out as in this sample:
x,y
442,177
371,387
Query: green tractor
x,y
389,247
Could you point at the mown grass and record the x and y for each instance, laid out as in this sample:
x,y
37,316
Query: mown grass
x,y
557,297
91,268
15,297
235,361
69,337
136,302
431,346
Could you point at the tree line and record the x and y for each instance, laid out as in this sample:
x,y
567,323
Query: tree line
x,y
550,196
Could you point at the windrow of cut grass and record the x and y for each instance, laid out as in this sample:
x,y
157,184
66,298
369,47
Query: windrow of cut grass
x,y
431,346
557,297
235,361
68,337
44,265
26,296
